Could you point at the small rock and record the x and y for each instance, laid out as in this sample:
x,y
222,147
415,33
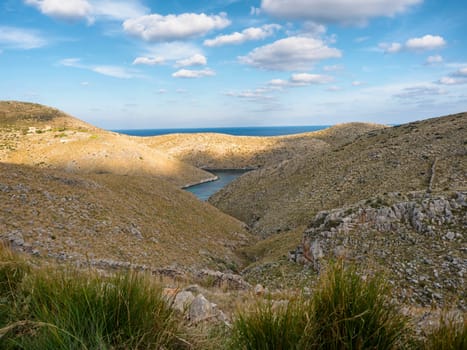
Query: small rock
x,y
259,290
183,301
200,309
450,235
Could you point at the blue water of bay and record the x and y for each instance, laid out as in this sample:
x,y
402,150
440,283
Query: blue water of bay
x,y
236,131
205,190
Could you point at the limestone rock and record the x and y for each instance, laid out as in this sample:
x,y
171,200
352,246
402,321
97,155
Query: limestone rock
x,y
200,309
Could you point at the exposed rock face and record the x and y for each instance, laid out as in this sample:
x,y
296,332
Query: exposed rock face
x,y
420,238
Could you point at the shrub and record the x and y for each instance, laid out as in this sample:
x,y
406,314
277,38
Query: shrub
x,y
71,310
449,335
12,271
268,327
353,313
345,312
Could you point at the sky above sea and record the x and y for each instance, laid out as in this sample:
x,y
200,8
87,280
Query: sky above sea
x,y
139,64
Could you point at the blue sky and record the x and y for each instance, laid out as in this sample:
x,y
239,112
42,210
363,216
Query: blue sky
x,y
158,64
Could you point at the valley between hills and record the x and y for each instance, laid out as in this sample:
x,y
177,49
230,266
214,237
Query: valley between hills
x,y
392,200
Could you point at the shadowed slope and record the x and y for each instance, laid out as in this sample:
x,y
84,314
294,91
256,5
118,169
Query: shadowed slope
x,y
110,219
219,151
284,196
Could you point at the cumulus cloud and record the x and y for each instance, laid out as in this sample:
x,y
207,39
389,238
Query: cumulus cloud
x,y
427,42
191,74
248,34
434,59
156,27
343,11
195,60
149,61
424,43
20,38
290,54
89,9
108,70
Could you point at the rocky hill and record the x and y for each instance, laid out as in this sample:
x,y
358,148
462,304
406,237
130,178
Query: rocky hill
x,y
424,155
219,151
113,221
44,137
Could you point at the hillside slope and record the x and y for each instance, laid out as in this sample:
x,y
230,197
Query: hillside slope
x,y
112,220
37,135
220,151
397,159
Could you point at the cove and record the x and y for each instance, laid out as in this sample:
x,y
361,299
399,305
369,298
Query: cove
x,y
205,190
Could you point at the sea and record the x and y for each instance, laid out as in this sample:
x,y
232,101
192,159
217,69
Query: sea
x,y
205,190
236,131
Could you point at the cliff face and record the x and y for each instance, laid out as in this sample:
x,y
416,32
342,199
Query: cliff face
x,y
282,197
419,240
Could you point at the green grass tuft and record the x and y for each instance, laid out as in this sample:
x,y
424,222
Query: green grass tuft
x,y
346,312
353,313
269,326
449,335
67,309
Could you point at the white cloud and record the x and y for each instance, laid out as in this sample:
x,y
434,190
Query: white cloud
x,y
292,53
108,70
173,51
419,92
187,73
89,9
195,60
333,68
427,42
344,11
245,35
118,10
149,61
156,27
255,11
252,95
307,79
19,38
424,43
434,59
391,48
301,79
455,78
449,81
357,83
114,71
69,10
462,72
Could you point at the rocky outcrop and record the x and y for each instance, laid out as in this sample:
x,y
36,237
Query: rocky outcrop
x,y
419,238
